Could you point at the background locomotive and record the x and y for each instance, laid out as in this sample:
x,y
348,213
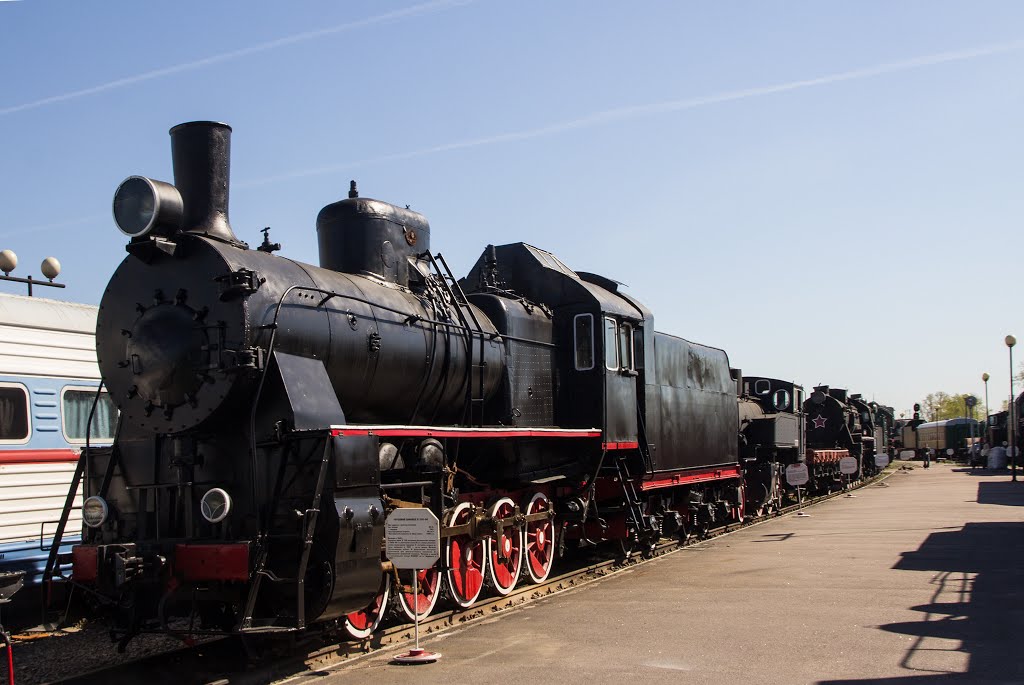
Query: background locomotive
x,y
274,412
772,430
778,427
839,425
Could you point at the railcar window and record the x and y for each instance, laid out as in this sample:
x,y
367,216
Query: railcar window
x,y
77,403
584,332
762,386
611,344
14,426
626,347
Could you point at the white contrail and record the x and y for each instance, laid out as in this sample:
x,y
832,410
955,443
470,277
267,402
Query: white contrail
x,y
611,115
415,10
633,111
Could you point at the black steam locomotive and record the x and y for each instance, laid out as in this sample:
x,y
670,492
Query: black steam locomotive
x,y
779,428
772,437
841,425
273,413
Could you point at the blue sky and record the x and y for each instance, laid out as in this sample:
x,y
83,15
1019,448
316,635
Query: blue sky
x,y
830,191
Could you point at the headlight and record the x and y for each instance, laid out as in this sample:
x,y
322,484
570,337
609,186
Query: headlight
x,y
95,511
215,505
142,205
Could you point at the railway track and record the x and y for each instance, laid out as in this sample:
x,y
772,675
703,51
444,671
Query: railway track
x,y
230,660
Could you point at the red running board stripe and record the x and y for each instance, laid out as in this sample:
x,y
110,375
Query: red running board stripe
x,y
38,456
457,432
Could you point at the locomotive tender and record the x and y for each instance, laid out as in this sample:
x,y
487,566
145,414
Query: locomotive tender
x,y
274,412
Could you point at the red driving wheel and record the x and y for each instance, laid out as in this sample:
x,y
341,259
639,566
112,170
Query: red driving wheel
x,y
465,559
539,549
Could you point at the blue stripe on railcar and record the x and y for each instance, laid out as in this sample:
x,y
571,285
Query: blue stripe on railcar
x,y
31,558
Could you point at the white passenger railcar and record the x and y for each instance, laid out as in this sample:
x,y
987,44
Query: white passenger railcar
x,y
48,383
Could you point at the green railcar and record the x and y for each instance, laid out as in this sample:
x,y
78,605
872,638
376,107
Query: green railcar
x,y
952,434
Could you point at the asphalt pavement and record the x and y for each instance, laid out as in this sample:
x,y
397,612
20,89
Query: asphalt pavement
x,y
916,581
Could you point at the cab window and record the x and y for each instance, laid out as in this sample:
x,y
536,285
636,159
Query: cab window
x,y
584,341
626,347
76,404
781,399
14,426
611,344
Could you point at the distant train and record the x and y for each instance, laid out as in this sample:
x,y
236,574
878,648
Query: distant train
x,y
48,383
273,414
940,436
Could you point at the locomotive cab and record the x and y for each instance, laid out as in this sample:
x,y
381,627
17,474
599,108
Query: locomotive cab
x,y
594,331
771,417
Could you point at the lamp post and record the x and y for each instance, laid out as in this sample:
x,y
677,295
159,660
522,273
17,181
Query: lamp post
x,y
1012,423
916,423
969,403
985,377
50,268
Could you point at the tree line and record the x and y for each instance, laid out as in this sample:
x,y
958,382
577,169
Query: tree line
x,y
939,406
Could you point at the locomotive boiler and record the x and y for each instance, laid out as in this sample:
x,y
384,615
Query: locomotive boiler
x,y
272,413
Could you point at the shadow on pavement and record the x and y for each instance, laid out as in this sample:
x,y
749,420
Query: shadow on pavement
x,y
977,608
982,471
1003,492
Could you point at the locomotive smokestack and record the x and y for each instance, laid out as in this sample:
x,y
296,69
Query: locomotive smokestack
x,y
201,153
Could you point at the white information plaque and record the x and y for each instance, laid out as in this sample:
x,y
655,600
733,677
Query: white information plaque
x,y
412,538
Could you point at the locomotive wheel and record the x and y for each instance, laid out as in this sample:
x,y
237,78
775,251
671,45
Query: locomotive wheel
x,y
630,547
466,559
764,504
684,533
361,624
700,526
739,512
428,584
505,551
540,540
643,545
778,498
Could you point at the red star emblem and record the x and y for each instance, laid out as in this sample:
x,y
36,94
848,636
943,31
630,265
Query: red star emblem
x,y
819,422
